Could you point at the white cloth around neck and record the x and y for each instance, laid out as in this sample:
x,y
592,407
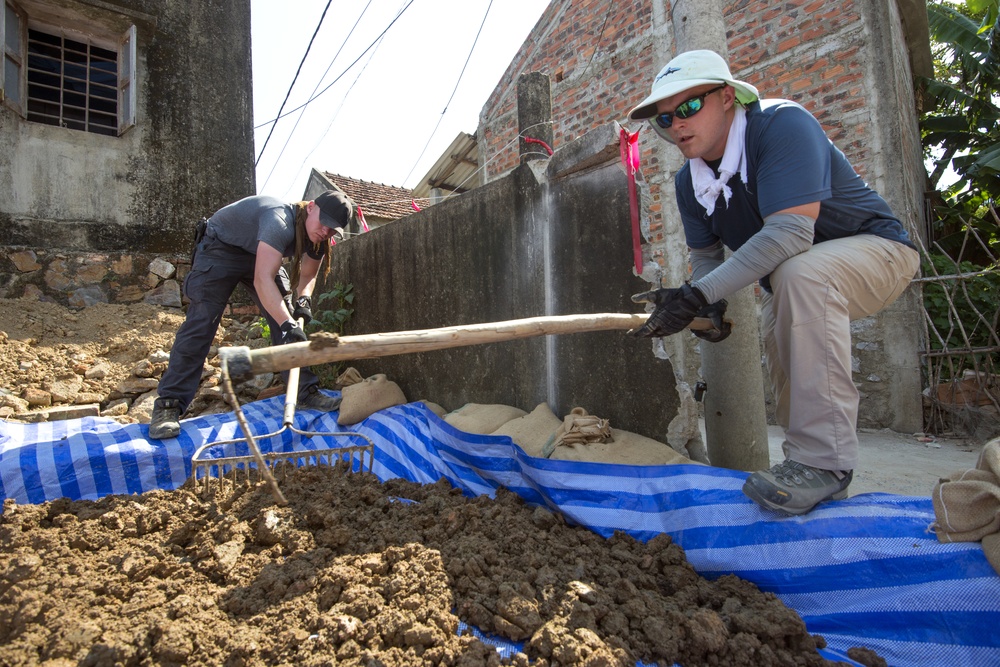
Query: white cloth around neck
x,y
706,186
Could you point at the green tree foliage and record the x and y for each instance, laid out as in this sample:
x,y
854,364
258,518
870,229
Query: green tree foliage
x,y
961,137
961,130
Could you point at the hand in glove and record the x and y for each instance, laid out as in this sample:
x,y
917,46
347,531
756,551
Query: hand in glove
x,y
303,310
675,309
715,312
292,333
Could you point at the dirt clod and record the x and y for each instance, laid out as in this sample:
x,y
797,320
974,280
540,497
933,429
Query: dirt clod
x,y
358,572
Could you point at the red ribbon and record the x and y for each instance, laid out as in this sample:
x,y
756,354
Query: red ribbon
x,y
361,219
532,140
629,145
413,203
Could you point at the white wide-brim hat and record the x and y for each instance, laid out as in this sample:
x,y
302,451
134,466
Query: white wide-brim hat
x,y
688,70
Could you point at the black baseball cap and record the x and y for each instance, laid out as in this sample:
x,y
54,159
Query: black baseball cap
x,y
335,208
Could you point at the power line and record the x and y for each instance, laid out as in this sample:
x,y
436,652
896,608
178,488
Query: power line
x,y
316,144
297,120
340,76
460,75
294,79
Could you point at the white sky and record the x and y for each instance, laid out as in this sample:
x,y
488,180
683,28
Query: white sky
x,y
374,127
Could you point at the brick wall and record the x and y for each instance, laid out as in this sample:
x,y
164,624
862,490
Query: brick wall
x,y
845,62
601,57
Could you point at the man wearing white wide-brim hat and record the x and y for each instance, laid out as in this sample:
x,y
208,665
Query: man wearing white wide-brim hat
x,y
763,179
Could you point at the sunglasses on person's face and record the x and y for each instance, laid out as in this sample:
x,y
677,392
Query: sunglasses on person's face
x,y
685,109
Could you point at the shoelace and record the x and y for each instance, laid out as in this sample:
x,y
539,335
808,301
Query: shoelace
x,y
791,473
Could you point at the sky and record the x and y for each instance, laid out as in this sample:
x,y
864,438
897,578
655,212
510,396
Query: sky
x,y
375,109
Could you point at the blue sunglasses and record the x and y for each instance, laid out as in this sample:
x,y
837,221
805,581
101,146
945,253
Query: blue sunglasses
x,y
685,109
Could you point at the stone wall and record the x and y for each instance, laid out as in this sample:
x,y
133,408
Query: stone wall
x,y
81,279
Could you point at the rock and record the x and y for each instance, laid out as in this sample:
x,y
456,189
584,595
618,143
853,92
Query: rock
x,y
168,294
25,261
143,369
93,272
116,408
84,398
162,268
64,389
256,384
19,405
138,385
35,396
71,412
122,266
84,297
129,294
142,408
33,293
159,357
55,276
98,371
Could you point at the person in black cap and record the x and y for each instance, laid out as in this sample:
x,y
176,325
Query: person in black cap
x,y
246,243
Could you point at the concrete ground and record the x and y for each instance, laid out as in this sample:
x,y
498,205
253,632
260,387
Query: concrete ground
x,y
899,463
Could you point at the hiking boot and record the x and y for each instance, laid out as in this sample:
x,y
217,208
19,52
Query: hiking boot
x,y
313,399
795,488
165,422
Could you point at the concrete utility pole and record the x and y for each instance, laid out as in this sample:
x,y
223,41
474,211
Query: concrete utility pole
x,y
534,114
735,419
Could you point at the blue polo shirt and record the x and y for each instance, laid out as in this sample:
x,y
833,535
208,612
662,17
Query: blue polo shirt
x,y
790,161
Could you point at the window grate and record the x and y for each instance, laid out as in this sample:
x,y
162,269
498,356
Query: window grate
x,y
72,83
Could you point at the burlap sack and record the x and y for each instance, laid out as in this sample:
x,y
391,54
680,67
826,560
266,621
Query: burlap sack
x,y
578,428
625,448
349,377
362,399
533,430
482,418
967,504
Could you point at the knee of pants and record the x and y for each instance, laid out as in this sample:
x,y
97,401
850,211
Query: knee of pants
x,y
795,273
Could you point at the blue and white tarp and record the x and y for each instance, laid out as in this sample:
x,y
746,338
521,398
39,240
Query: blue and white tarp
x,y
865,571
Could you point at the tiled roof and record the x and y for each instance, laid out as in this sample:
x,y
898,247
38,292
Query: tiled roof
x,y
375,199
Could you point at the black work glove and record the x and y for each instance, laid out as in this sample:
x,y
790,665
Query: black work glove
x,y
292,333
675,309
303,310
715,312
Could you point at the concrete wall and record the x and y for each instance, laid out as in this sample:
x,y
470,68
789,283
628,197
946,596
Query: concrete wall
x,y
525,245
190,152
846,62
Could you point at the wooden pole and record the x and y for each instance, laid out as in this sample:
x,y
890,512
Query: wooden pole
x,y
324,348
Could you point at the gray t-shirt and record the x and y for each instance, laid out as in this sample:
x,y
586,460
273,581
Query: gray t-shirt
x,y
249,221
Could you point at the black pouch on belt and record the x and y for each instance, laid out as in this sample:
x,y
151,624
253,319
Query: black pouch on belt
x,y
199,234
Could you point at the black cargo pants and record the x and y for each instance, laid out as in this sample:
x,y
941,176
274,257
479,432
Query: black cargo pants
x,y
216,269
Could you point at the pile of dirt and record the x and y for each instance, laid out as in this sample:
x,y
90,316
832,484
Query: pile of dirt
x,y
111,355
352,572
357,572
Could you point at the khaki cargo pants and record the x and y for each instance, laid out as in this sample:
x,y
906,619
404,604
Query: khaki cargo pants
x,y
807,339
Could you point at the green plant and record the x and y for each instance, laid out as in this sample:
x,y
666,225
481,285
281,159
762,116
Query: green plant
x,y
338,311
333,318
960,131
261,325
963,311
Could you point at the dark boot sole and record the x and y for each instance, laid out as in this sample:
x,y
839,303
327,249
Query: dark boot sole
x,y
751,492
